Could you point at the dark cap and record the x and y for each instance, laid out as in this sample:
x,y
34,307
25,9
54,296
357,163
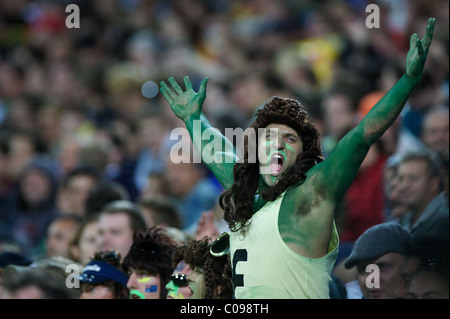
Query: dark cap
x,y
97,271
380,240
12,258
121,205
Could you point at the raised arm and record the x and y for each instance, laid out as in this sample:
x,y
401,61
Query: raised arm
x,y
326,183
343,163
187,105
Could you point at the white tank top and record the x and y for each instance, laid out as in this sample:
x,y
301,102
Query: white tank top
x,y
265,267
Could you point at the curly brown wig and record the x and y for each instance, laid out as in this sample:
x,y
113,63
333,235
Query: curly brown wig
x,y
152,251
217,270
238,201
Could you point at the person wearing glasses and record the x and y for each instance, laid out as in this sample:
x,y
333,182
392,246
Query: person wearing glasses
x,y
281,195
200,271
103,277
149,263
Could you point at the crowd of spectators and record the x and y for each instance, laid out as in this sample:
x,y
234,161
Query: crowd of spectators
x,y
77,132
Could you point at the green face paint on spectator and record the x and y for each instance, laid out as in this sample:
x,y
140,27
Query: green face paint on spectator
x,y
136,294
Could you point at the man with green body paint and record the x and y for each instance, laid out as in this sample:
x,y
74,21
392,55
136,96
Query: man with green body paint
x,y
280,209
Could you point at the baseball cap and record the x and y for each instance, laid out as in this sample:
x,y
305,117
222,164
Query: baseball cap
x,y
12,258
97,271
380,240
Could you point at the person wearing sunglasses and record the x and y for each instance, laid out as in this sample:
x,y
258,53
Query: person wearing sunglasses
x,y
200,271
180,287
149,263
280,197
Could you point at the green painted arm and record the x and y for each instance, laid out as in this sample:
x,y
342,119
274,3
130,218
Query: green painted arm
x,y
306,216
343,163
216,151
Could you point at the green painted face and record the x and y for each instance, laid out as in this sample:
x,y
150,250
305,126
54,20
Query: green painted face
x,y
278,150
197,284
290,148
195,290
175,292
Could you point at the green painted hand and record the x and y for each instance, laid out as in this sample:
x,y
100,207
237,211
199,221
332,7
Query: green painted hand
x,y
415,60
184,103
187,105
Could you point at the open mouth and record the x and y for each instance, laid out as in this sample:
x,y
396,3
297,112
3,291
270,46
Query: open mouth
x,y
276,164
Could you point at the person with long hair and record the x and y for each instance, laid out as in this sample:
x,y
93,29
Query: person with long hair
x,y
148,263
279,202
198,274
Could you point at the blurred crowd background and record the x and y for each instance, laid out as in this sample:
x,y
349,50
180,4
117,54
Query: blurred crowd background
x,y
73,118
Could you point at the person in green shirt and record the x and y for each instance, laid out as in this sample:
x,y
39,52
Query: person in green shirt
x,y
280,206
